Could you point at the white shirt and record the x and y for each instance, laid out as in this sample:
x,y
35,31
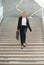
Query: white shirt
x,y
24,21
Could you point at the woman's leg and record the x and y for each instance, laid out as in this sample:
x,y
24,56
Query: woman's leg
x,y
24,37
21,37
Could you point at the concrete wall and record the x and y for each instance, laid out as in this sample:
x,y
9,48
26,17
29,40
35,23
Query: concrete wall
x,y
0,2
10,7
43,22
43,27
1,11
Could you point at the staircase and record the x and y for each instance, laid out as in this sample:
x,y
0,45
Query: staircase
x,y
10,49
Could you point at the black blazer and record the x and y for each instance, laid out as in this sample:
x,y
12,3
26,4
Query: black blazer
x,y
27,24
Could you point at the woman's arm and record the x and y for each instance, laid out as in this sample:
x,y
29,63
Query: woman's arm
x,y
29,25
18,26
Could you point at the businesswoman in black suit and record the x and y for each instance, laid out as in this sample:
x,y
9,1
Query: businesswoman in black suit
x,y
23,24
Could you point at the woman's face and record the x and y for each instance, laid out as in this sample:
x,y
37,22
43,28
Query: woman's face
x,y
24,14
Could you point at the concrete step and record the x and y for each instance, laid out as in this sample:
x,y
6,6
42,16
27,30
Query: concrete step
x,y
4,38
10,49
20,46
12,37
32,54
17,45
19,39
34,41
22,51
22,59
27,39
22,63
12,52
22,56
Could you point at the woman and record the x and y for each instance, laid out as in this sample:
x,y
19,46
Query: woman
x,y
23,24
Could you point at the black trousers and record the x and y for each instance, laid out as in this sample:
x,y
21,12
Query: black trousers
x,y
23,34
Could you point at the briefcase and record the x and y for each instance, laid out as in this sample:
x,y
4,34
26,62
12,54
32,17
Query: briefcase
x,y
17,35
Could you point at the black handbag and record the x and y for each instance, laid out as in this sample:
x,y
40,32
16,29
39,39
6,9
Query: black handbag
x,y
17,35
